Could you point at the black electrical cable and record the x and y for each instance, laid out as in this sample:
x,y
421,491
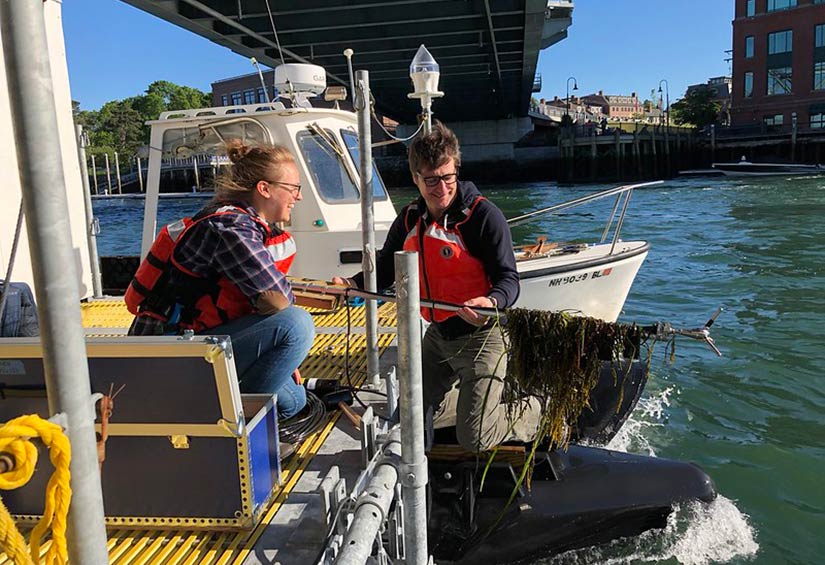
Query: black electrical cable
x,y
304,423
352,388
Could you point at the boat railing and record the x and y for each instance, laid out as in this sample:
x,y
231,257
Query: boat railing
x,y
622,194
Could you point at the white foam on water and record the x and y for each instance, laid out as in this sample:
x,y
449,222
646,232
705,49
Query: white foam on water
x,y
695,534
716,533
650,412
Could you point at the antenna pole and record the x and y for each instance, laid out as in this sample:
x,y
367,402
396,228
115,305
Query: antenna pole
x,y
348,54
367,221
254,62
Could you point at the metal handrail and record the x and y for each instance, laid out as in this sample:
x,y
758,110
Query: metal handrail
x,y
619,192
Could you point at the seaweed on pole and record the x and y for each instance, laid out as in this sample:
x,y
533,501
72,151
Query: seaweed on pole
x,y
556,357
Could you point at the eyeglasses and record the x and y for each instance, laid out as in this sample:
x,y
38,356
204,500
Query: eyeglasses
x,y
434,181
295,189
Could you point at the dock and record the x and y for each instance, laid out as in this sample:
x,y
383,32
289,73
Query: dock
x,y
291,529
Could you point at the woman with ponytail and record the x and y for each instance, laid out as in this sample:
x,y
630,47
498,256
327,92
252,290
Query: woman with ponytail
x,y
223,272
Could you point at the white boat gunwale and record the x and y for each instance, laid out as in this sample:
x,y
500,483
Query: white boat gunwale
x,y
640,248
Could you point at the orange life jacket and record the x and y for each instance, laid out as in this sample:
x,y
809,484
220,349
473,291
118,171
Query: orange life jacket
x,y
207,303
447,272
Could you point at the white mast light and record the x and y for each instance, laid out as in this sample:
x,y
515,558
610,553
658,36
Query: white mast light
x,y
424,72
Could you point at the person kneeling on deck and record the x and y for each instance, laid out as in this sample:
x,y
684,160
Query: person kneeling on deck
x,y
222,272
465,254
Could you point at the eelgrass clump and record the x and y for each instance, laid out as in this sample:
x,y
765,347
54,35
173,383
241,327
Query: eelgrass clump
x,y
557,358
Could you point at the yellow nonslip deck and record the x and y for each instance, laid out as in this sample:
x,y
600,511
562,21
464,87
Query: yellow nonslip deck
x,y
184,547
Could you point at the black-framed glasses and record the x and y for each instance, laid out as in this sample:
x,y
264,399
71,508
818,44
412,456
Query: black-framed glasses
x,y
435,180
293,188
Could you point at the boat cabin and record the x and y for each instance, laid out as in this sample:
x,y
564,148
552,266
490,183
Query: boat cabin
x,y
326,224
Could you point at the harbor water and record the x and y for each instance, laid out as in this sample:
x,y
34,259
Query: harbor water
x,y
753,419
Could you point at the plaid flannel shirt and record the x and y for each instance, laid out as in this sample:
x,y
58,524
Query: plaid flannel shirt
x,y
231,245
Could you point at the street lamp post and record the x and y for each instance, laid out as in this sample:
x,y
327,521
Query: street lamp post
x,y
667,122
575,87
667,100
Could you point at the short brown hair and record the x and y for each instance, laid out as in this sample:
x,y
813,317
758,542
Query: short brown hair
x,y
434,149
250,164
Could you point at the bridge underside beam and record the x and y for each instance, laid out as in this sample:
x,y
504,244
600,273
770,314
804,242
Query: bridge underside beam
x,y
487,50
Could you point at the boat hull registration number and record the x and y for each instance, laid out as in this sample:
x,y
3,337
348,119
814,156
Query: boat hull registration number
x,y
572,279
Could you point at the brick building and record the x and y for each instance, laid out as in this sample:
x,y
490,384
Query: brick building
x,y
617,107
245,89
779,63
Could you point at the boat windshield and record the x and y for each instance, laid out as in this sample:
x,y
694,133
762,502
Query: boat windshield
x,y
326,165
207,141
379,191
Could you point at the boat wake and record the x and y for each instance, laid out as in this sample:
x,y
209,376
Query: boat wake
x,y
651,412
695,534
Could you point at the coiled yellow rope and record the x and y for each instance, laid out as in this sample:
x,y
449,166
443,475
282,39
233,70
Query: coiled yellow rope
x,y
15,438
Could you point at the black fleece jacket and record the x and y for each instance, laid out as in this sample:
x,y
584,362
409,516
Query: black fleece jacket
x,y
486,235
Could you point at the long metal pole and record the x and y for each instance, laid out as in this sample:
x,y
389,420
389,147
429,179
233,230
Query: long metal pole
x,y
34,114
362,104
372,507
411,403
91,224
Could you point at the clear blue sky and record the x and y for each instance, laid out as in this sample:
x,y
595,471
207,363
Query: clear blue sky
x,y
622,46
619,46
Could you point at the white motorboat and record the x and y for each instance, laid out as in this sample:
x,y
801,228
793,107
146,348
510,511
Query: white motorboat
x,y
745,168
592,280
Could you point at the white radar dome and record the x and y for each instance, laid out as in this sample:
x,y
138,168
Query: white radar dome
x,y
300,78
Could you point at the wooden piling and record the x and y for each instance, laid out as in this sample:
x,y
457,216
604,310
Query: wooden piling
x,y
139,174
197,175
593,154
793,137
117,174
108,174
94,174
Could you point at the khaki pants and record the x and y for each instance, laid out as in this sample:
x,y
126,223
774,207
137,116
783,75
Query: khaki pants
x,y
478,363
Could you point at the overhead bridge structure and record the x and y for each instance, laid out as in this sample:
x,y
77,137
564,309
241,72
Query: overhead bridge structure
x,y
487,49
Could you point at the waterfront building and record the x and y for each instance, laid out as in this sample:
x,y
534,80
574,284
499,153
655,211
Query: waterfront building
x,y
617,107
779,63
244,89
579,111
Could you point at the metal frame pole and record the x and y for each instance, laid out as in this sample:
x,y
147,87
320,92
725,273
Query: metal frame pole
x,y
372,507
34,116
362,105
413,470
91,223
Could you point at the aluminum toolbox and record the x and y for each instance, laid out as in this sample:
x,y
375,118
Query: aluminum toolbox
x,y
185,448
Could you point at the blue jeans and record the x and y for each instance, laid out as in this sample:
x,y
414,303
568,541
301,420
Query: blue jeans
x,y
267,350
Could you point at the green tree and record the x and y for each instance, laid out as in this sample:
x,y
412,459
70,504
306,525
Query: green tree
x,y
697,108
120,125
